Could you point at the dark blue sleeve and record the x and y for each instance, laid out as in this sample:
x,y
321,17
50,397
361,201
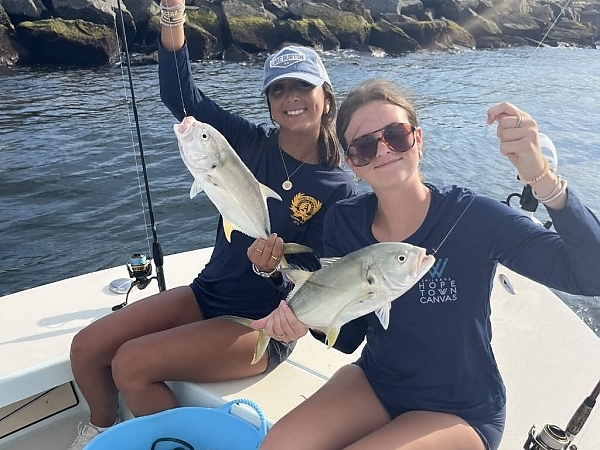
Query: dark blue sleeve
x,y
567,260
353,333
177,84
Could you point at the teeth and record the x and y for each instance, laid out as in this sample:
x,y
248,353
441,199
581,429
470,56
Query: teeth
x,y
295,112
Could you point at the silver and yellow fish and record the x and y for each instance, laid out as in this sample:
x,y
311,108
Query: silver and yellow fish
x,y
221,174
367,280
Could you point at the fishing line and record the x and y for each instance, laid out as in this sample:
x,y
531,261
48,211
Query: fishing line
x,y
435,250
130,127
177,69
549,29
156,248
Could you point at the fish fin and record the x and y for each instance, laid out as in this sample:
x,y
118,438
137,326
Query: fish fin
x,y
332,328
290,248
383,314
327,261
332,335
240,320
228,227
267,192
263,339
196,189
261,346
297,276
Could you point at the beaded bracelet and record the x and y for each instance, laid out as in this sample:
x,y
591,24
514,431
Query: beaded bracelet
x,y
559,189
172,22
545,171
170,7
172,16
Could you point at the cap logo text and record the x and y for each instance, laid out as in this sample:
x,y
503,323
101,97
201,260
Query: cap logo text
x,y
286,60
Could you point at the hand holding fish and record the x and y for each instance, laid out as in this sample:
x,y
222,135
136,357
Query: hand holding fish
x,y
519,142
282,324
266,254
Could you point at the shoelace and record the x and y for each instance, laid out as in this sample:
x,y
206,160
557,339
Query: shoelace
x,y
86,433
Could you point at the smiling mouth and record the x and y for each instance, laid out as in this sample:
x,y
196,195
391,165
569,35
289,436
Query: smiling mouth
x,y
295,112
389,162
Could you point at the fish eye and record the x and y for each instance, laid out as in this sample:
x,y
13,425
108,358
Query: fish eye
x,y
204,136
401,258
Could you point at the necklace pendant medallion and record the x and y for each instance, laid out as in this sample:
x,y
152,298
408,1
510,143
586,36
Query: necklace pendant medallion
x,y
286,185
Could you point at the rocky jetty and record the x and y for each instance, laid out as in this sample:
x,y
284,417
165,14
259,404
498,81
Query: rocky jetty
x,y
92,32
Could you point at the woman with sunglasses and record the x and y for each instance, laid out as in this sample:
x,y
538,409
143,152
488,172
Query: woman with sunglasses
x,y
430,381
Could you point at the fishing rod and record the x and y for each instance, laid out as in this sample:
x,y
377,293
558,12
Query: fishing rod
x,y
139,266
552,437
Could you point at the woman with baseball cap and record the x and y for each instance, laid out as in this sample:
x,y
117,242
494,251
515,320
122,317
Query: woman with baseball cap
x,y
178,334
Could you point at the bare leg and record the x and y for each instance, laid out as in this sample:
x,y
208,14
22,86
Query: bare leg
x,y
206,351
346,414
94,347
343,411
422,430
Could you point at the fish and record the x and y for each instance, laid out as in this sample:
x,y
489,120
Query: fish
x,y
345,288
234,190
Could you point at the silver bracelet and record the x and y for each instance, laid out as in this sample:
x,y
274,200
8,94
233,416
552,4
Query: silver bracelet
x,y
265,274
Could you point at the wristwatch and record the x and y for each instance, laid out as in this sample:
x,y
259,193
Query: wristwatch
x,y
266,274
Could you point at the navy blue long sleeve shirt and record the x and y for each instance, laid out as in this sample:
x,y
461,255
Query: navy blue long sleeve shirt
x,y
436,354
227,285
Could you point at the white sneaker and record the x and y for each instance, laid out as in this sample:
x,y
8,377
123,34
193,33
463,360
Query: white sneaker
x,y
85,433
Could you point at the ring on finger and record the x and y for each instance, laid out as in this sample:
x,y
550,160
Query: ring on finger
x,y
276,258
519,121
281,335
259,250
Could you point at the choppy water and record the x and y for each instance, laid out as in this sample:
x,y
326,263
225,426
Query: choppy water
x,y
70,177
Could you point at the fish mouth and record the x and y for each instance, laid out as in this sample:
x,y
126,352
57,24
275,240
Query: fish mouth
x,y
425,262
185,127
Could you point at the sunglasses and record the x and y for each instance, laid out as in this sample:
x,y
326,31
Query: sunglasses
x,y
398,137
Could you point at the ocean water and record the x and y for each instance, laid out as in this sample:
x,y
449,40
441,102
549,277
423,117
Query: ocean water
x,y
71,190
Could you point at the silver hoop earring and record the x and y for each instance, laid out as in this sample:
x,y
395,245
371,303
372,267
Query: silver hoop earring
x,y
356,178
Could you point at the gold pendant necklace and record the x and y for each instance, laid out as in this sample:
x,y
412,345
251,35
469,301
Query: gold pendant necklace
x,y
287,184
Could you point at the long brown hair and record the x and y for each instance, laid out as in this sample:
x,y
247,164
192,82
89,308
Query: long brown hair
x,y
328,145
372,90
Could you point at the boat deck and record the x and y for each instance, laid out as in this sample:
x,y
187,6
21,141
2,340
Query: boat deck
x,y
547,356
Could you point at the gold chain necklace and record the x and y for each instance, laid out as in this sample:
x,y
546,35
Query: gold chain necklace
x,y
287,184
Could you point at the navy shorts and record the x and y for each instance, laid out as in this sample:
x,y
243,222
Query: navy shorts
x,y
489,427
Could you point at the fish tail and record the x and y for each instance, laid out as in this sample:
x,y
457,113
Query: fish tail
x,y
332,336
263,339
261,346
290,248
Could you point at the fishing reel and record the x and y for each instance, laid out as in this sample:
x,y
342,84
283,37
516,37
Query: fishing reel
x,y
552,437
140,271
527,205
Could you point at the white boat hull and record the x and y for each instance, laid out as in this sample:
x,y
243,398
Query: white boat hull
x,y
548,358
